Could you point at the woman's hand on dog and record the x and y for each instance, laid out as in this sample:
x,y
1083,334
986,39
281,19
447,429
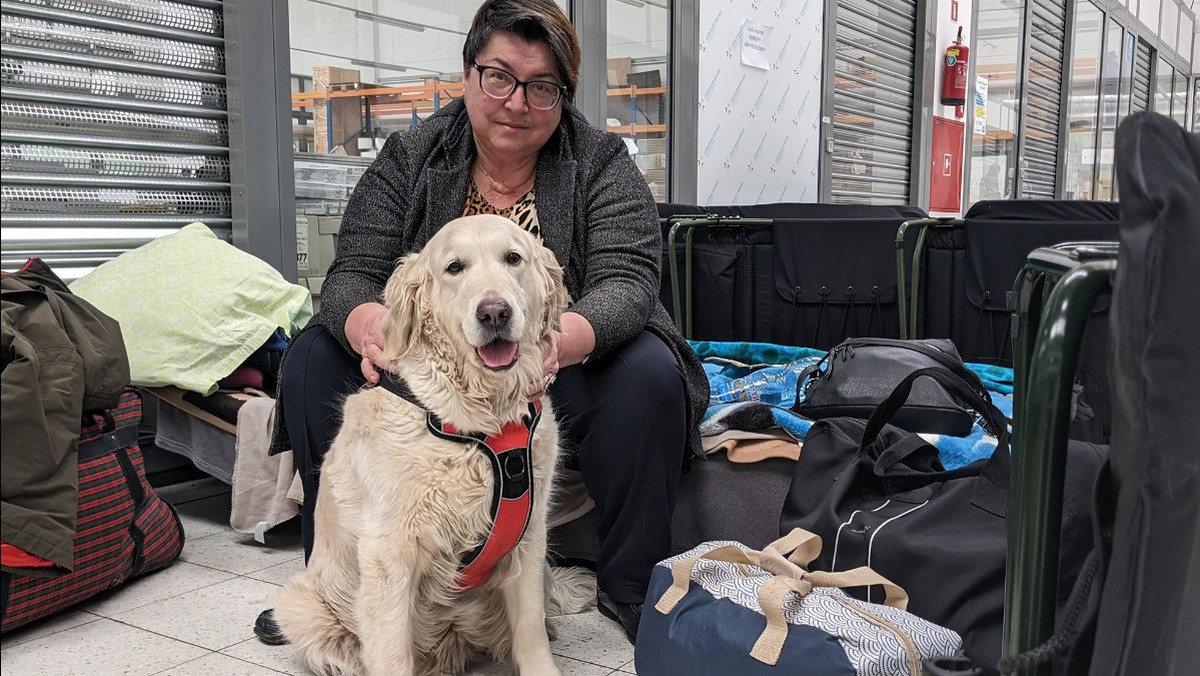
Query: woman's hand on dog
x,y
550,347
363,332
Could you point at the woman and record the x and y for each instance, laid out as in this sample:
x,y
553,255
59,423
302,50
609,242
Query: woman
x,y
626,385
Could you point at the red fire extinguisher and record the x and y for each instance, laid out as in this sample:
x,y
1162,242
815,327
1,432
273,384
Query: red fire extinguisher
x,y
954,73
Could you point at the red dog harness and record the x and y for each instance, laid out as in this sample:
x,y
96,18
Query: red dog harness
x,y
512,482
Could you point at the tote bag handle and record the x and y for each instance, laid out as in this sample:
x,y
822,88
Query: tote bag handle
x,y
782,559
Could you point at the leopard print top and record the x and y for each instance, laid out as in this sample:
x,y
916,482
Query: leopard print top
x,y
523,213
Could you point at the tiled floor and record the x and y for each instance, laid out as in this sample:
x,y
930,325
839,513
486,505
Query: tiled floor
x,y
195,617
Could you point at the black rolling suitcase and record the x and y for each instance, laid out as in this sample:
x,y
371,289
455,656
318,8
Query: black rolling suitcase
x,y
1138,611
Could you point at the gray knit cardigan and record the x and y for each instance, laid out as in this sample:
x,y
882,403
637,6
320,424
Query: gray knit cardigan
x,y
595,212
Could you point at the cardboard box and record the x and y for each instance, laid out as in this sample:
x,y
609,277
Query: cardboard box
x,y
346,112
651,146
618,71
315,244
328,225
648,161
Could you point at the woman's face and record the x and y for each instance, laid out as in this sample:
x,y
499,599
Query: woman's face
x,y
511,127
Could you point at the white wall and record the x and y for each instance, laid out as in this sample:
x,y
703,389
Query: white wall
x,y
758,131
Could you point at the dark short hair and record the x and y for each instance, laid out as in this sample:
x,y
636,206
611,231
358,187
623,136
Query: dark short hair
x,y
532,20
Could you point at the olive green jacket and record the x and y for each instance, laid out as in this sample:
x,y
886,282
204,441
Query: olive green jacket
x,y
62,357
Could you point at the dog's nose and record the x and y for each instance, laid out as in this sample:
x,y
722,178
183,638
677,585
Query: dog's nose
x,y
494,313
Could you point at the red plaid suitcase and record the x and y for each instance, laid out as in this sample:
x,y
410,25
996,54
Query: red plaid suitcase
x,y
123,529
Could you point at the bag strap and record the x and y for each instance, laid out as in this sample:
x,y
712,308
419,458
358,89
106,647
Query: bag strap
x,y
991,493
788,577
802,381
994,421
891,460
1081,608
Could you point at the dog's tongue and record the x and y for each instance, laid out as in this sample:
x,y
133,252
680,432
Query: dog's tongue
x,y
498,353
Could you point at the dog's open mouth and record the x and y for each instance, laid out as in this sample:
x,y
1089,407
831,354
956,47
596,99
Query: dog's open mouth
x,y
498,355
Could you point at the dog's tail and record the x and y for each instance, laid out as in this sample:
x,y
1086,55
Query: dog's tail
x,y
313,627
569,590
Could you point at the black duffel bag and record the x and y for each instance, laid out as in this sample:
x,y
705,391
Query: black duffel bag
x,y
880,497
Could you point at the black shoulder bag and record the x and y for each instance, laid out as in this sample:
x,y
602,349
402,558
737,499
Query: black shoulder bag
x,y
858,374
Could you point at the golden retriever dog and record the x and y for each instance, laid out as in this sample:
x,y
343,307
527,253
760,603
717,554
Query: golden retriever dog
x,y
400,506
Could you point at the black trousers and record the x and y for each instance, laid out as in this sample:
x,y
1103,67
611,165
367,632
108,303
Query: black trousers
x,y
622,417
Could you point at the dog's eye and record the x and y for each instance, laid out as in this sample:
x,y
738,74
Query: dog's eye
x,y
513,258
454,267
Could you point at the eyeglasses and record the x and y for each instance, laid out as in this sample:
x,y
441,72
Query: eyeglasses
x,y
500,84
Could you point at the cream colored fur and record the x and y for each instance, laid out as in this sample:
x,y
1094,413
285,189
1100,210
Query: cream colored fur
x,y
398,507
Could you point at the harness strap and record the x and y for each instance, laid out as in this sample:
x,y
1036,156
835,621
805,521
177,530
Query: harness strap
x,y
512,482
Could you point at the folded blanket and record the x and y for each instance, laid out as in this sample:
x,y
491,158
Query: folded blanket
x,y
753,386
752,446
266,489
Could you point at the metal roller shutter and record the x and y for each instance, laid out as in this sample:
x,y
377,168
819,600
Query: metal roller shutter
x,y
114,127
1042,102
871,130
1141,77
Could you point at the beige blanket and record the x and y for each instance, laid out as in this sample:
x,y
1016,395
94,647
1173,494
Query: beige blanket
x,y
266,489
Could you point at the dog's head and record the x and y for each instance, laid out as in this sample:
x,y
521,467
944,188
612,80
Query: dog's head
x,y
481,295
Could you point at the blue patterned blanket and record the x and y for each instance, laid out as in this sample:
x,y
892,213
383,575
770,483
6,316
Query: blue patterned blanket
x,y
753,385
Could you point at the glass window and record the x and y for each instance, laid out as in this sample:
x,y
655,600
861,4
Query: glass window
x,y
997,50
639,34
1187,30
1169,30
1148,13
1196,104
1163,87
1179,106
1110,105
1083,107
1128,53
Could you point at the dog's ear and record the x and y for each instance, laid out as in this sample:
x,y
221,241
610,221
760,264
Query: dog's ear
x,y
407,298
550,275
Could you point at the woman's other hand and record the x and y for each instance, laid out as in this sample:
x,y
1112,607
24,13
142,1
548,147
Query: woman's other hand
x,y
365,335
550,346
578,339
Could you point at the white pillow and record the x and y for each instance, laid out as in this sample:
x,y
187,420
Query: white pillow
x,y
193,307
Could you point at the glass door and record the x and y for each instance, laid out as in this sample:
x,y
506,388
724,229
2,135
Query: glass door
x,y
997,53
638,85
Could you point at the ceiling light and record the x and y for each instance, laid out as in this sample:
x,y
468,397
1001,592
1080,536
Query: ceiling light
x,y
398,23
380,66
